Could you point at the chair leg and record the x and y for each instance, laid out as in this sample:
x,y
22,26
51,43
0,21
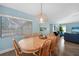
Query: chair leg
x,y
17,53
35,54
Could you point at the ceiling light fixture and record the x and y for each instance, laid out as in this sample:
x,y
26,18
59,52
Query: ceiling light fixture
x,y
41,18
41,14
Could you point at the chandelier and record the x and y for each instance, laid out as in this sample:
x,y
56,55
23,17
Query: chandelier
x,y
42,16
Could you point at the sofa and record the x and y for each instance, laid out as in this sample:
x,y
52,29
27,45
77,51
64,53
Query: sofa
x,y
71,37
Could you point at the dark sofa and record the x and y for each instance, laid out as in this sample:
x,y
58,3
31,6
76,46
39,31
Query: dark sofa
x,y
71,37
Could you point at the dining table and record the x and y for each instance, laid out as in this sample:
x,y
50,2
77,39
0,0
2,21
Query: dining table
x,y
30,45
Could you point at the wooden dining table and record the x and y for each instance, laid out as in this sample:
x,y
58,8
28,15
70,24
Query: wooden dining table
x,y
32,44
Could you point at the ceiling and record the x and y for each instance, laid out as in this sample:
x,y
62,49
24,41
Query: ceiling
x,y
56,12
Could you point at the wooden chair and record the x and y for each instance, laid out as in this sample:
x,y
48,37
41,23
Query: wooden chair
x,y
57,41
54,46
45,49
58,38
50,36
17,48
54,43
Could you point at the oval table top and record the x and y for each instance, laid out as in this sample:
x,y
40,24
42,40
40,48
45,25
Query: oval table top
x,y
31,44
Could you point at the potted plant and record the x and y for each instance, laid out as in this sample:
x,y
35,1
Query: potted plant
x,y
61,30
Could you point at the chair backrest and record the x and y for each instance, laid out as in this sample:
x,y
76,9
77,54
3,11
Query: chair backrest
x,y
58,38
50,36
17,48
45,50
54,42
53,45
54,39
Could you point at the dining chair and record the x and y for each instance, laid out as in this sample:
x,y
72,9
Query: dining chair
x,y
17,48
54,45
18,51
57,46
45,49
50,36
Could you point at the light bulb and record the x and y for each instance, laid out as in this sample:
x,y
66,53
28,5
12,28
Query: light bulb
x,y
41,20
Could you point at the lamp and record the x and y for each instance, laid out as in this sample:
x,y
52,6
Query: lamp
x,y
43,17
41,20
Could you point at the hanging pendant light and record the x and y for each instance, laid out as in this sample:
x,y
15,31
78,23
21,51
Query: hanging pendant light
x,y
41,20
43,17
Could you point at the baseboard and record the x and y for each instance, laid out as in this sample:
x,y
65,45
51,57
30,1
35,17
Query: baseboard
x,y
7,50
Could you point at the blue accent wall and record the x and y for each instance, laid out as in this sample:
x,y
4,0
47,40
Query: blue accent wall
x,y
7,43
13,12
